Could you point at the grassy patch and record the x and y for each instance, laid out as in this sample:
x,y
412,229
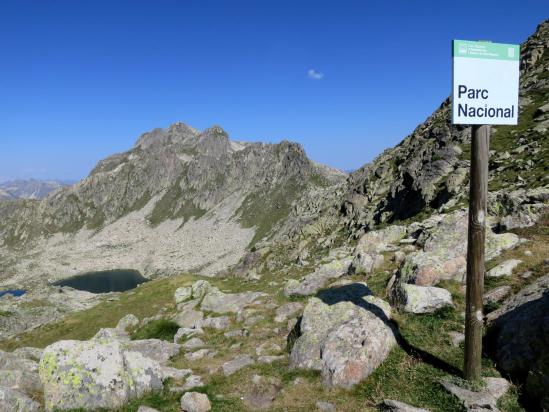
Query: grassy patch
x,y
157,329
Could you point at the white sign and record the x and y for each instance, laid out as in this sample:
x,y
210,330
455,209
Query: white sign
x,y
485,83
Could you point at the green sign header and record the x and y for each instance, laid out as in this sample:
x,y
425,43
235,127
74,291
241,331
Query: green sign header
x,y
485,50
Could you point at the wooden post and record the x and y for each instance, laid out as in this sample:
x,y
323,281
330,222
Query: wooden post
x,y
480,142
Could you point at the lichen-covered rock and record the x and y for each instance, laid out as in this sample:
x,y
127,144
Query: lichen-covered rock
x,y
11,361
421,299
288,310
156,349
93,375
234,365
193,343
108,334
20,380
219,302
365,262
345,334
518,208
144,408
268,348
174,373
518,338
30,353
195,402
182,294
378,241
503,269
496,294
14,401
127,322
325,406
189,318
216,322
186,333
262,392
200,288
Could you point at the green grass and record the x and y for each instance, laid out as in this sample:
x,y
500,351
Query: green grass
x,y
157,329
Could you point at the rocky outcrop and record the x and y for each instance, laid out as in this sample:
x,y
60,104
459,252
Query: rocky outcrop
x,y
518,338
345,333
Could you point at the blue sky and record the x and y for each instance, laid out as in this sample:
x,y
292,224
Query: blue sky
x,y
347,79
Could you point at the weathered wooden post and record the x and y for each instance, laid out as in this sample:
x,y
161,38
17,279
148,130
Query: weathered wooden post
x,y
484,92
478,193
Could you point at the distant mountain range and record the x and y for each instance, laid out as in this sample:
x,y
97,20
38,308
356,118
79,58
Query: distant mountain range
x,y
29,189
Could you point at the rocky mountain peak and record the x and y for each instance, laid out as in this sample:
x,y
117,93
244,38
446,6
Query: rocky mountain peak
x,y
176,133
214,142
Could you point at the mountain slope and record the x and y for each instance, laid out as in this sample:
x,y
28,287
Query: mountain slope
x,y
178,200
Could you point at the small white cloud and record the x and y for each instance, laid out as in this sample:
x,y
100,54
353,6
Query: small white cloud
x,y
313,74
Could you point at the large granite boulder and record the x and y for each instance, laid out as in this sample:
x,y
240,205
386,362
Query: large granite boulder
x,y
518,338
94,375
345,333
